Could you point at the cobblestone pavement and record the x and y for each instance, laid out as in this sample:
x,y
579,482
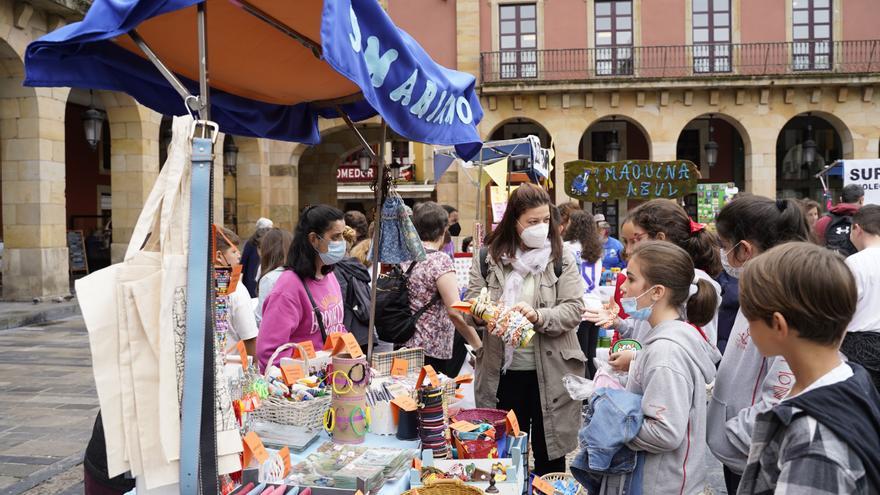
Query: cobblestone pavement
x,y
49,404
47,409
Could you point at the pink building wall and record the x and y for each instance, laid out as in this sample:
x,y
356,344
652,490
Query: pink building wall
x,y
431,23
762,21
485,27
663,22
860,20
565,24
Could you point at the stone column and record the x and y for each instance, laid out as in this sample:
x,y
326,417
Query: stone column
x,y
252,181
134,155
283,184
761,166
467,15
35,259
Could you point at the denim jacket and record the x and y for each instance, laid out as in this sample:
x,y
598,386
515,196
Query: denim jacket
x,y
604,464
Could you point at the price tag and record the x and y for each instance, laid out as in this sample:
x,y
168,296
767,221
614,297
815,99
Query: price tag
x,y
513,424
358,493
253,447
399,366
463,426
405,402
242,352
292,373
285,456
542,486
428,370
468,378
417,463
351,345
332,341
308,346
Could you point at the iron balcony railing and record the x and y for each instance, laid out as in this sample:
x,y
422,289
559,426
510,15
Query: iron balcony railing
x,y
700,60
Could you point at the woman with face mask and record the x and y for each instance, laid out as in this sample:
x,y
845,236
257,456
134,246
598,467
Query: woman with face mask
x,y
747,383
527,269
306,302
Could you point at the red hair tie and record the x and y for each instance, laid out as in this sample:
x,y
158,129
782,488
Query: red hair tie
x,y
696,227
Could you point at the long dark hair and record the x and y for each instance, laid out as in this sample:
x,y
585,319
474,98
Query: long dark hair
x,y
503,241
582,228
301,256
273,249
763,221
663,215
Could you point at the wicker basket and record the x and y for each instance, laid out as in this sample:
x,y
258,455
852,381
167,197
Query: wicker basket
x,y
381,362
307,414
551,477
445,487
497,417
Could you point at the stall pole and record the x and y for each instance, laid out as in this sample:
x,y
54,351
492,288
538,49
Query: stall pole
x,y
377,237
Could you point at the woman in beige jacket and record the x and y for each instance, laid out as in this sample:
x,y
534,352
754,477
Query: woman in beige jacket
x,y
527,269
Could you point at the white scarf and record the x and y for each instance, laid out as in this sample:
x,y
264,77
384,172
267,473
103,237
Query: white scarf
x,y
532,262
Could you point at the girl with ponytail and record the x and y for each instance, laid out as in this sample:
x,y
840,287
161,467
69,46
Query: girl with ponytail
x,y
747,383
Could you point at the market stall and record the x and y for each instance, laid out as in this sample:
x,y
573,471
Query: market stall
x,y
176,417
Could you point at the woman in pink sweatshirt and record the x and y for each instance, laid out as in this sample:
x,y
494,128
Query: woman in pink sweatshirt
x,y
306,302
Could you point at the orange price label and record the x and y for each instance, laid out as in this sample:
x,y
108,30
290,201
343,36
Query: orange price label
x,y
309,348
399,366
358,493
242,353
513,424
463,426
292,373
464,378
542,486
285,456
405,402
428,370
254,447
417,463
332,341
351,345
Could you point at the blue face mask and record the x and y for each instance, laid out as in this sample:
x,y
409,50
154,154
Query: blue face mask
x,y
630,306
335,252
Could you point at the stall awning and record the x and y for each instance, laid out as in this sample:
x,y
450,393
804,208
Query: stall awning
x,y
364,191
275,67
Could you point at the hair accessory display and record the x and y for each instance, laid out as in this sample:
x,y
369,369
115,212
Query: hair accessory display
x,y
511,326
349,420
433,422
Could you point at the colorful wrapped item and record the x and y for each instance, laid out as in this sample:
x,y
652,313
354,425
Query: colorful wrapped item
x,y
511,326
433,422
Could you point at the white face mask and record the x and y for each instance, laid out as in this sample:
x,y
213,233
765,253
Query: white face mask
x,y
535,236
734,271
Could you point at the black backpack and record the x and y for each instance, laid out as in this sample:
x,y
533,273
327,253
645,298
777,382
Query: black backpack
x,y
395,321
837,234
484,264
354,280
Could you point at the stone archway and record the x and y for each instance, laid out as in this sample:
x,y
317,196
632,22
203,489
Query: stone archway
x,y
734,147
35,258
795,175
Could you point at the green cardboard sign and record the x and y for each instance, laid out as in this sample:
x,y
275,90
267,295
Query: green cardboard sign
x,y
630,179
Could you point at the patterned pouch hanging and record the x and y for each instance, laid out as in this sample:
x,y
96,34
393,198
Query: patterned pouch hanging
x,y
410,235
392,246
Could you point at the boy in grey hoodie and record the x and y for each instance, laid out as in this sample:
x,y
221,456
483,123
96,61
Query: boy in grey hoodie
x,y
673,368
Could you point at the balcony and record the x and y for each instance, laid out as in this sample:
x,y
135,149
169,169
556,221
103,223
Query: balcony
x,y
802,61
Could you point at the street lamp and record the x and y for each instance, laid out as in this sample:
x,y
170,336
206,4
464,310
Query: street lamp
x,y
612,149
230,155
711,147
809,147
93,123
365,160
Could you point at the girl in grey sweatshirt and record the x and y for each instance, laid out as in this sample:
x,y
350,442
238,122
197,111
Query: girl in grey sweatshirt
x,y
673,368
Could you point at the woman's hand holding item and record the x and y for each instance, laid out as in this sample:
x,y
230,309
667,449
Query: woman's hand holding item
x,y
620,361
526,310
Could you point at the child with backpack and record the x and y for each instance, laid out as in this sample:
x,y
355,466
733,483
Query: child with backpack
x,y
832,230
824,435
747,383
675,364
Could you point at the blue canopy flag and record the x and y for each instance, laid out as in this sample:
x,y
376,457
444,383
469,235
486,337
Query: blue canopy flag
x,y
265,84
